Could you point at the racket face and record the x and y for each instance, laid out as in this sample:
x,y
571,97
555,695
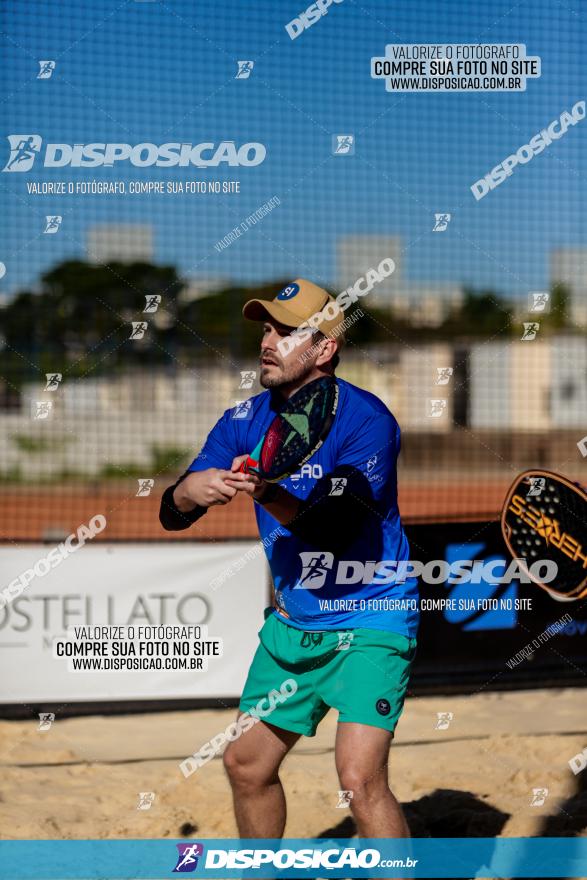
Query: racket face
x,y
544,517
299,430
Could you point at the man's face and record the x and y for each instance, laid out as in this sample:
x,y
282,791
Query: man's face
x,y
277,369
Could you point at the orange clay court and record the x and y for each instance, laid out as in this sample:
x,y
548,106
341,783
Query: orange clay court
x,y
46,513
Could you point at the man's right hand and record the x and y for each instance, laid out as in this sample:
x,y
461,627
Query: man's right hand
x,y
203,489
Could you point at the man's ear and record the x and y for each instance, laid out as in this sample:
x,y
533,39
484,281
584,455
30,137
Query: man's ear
x,y
327,351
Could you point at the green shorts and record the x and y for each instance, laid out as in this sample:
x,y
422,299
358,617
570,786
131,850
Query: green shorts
x,y
363,673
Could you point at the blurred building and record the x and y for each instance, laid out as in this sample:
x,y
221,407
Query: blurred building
x,y
199,288
355,254
568,266
422,304
120,242
426,305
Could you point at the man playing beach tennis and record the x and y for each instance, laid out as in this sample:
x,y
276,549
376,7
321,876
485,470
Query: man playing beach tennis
x,y
344,622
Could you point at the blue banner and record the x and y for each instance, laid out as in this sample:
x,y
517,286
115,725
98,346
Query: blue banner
x,y
291,858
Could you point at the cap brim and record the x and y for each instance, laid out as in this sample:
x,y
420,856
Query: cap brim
x,y
262,309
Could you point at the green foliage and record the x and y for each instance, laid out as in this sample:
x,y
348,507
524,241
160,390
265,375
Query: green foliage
x,y
26,443
169,459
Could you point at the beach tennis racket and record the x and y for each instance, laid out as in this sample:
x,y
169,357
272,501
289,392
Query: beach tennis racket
x,y
545,517
296,432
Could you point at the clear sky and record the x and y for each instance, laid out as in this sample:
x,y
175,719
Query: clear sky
x,y
164,71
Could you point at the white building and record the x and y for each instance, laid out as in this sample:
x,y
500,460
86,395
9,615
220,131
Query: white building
x,y
423,304
569,267
355,254
120,242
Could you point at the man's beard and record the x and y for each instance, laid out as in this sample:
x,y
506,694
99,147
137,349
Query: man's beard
x,y
289,375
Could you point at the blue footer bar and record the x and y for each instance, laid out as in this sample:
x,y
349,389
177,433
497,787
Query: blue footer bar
x,y
290,858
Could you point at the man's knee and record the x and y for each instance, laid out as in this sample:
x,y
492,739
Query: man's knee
x,y
243,770
363,785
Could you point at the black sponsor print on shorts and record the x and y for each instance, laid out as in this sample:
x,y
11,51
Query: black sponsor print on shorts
x,y
383,707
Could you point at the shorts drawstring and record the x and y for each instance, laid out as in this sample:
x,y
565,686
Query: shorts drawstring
x,y
310,638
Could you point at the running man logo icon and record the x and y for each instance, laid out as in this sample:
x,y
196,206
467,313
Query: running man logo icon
x,y
245,69
338,485
538,302
441,222
530,331
343,144
46,719
53,380
53,224
42,409
315,566
539,795
344,641
436,407
443,720
23,151
139,328
46,69
145,487
344,799
247,378
152,302
146,800
537,485
188,855
443,375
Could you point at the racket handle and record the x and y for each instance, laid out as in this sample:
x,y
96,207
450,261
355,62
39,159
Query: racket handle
x,y
248,466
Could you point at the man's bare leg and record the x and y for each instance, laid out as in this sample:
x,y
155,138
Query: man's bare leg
x,y
252,763
362,754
